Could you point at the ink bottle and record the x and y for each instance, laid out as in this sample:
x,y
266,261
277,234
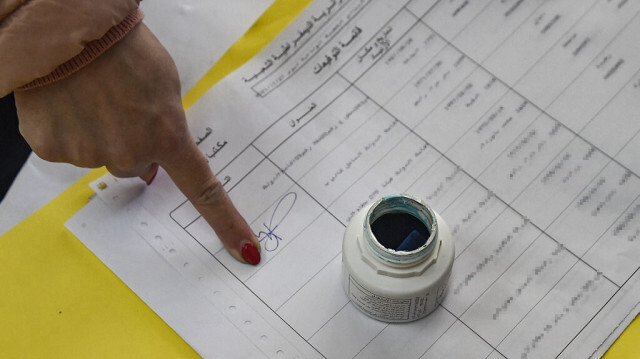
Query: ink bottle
x,y
397,256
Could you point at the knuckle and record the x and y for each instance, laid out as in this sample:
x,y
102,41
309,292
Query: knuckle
x,y
46,152
40,145
86,157
123,165
169,142
171,128
171,137
122,156
212,193
118,172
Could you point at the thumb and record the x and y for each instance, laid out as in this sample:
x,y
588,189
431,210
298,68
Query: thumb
x,y
150,173
191,173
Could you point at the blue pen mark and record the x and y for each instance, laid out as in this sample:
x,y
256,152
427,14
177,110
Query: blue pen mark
x,y
268,238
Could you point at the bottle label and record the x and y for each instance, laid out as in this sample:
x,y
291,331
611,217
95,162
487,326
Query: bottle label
x,y
386,308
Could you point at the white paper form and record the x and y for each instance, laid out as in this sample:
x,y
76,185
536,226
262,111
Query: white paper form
x,y
515,120
198,32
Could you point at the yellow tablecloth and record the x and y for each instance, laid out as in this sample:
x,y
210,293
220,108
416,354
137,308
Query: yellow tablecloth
x,y
59,301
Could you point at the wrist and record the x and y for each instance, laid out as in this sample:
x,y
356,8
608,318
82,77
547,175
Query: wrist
x,y
91,51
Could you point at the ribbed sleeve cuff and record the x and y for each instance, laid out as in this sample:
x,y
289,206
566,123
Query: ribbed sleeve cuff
x,y
91,51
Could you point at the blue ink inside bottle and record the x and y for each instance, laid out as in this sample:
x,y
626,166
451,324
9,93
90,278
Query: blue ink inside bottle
x,y
400,231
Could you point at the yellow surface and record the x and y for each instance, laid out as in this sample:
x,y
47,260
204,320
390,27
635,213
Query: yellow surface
x,y
264,29
59,301
628,344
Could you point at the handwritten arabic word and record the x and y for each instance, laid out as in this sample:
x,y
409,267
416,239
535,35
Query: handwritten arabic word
x,y
268,238
381,44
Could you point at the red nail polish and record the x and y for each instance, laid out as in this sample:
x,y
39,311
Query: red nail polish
x,y
250,253
152,178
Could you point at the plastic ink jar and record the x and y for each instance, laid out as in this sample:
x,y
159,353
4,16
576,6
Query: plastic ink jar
x,y
397,256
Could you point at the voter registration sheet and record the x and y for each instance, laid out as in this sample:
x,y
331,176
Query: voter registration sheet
x,y
516,120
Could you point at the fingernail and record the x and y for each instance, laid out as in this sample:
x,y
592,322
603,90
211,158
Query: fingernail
x,y
152,178
250,253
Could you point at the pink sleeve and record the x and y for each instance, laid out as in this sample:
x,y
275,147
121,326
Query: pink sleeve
x,y
42,41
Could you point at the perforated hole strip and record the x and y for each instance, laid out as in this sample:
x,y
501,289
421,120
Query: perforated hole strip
x,y
202,277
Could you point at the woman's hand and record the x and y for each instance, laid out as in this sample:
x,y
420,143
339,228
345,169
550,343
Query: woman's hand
x,y
124,111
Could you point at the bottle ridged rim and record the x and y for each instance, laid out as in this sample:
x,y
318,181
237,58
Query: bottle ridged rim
x,y
401,204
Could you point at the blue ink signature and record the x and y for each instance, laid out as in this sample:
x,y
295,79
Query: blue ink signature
x,y
268,238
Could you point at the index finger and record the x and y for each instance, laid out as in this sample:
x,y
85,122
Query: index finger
x,y
190,171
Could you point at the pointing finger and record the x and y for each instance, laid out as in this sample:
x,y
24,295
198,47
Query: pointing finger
x,y
191,173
